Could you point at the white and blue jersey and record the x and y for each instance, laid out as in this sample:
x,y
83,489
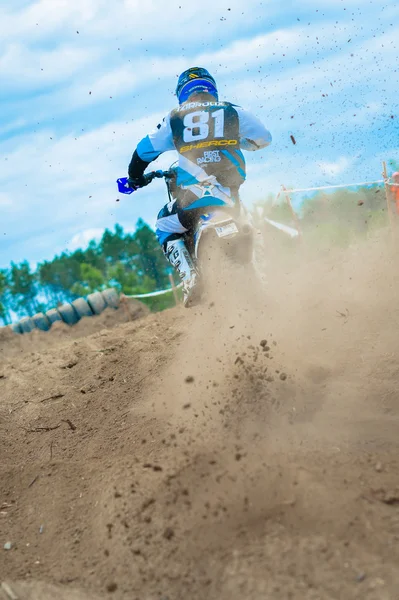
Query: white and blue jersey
x,y
209,138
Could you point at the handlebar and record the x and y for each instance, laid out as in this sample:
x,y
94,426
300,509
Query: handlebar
x,y
158,175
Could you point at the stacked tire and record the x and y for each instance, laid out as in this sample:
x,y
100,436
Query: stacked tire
x,y
41,321
96,302
69,313
82,308
53,315
111,297
27,325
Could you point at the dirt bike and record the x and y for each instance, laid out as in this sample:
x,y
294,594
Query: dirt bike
x,y
224,229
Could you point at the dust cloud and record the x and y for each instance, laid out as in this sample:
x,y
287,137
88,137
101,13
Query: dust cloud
x,y
245,448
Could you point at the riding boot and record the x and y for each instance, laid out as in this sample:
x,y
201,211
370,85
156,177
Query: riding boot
x,y
179,257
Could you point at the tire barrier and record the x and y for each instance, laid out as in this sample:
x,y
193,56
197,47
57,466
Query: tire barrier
x,y
41,321
27,325
16,328
70,312
82,308
53,315
96,302
111,297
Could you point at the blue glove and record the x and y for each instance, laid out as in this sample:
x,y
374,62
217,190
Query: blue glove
x,y
137,182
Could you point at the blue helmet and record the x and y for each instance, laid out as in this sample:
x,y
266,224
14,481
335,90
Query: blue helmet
x,y
195,81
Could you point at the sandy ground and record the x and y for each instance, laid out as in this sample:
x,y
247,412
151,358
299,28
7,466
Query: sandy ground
x,y
243,450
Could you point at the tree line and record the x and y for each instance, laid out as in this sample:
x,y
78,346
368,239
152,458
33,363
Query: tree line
x,y
331,217
132,262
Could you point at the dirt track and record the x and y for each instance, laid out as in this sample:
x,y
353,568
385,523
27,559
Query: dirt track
x,y
176,457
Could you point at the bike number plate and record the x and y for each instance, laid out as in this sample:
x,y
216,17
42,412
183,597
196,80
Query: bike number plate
x,y
225,230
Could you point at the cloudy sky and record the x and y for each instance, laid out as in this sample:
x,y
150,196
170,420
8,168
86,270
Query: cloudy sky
x,y
81,81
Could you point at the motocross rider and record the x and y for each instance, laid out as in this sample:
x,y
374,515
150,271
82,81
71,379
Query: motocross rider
x,y
208,135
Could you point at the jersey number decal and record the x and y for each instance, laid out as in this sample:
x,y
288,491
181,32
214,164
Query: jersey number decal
x,y
196,125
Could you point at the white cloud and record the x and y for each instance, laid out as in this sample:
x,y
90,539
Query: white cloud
x,y
130,21
324,82
337,4
45,18
337,167
12,126
37,68
82,239
5,201
285,61
278,47
70,180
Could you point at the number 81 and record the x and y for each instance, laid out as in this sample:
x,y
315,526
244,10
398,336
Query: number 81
x,y
196,125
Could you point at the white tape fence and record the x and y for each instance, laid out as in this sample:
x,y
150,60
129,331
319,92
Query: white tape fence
x,y
387,182
153,294
331,187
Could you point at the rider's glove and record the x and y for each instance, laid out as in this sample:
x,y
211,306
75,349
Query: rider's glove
x,y
137,182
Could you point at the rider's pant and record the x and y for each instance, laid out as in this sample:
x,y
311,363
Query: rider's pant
x,y
175,218
173,222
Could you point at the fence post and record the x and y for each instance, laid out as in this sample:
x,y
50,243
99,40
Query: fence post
x,y
388,198
293,213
